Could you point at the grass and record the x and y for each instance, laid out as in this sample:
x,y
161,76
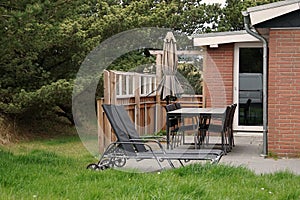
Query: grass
x,y
55,169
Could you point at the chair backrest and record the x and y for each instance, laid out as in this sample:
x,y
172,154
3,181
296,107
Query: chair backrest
x,y
227,117
231,115
117,126
170,107
174,120
129,127
219,127
177,105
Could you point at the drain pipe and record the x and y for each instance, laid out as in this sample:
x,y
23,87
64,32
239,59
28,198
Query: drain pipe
x,y
265,72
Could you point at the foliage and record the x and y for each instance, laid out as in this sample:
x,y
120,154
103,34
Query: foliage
x,y
55,169
132,60
42,47
193,76
43,43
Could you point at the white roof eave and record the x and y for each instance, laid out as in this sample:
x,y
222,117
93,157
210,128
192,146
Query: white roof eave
x,y
266,12
216,39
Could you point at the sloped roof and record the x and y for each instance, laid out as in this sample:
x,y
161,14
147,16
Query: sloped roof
x,y
214,39
259,14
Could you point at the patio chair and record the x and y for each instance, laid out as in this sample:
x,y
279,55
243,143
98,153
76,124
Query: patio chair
x,y
184,126
181,126
173,124
130,146
204,122
220,126
230,124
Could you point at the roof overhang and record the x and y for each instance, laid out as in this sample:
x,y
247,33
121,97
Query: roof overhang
x,y
214,39
266,12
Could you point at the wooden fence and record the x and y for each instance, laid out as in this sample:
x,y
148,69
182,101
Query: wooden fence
x,y
133,90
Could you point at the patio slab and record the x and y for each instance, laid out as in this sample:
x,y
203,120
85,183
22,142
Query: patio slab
x,y
247,153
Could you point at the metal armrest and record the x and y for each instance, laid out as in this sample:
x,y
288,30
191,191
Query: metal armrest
x,y
135,141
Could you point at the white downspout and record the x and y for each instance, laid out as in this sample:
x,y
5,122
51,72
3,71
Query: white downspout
x,y
265,86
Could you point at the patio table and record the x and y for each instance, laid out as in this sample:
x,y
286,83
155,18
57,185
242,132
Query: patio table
x,y
192,112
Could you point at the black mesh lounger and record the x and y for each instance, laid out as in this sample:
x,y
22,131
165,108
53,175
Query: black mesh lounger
x,y
130,146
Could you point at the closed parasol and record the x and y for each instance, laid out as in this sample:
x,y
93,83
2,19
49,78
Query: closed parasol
x,y
170,87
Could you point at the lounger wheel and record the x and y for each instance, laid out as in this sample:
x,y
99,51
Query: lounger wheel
x,y
92,166
119,162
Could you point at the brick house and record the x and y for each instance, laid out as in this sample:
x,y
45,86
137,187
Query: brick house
x,y
259,69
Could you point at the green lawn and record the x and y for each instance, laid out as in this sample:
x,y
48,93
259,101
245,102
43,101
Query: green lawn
x,y
55,169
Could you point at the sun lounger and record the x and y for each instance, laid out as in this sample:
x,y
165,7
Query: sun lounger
x,y
130,146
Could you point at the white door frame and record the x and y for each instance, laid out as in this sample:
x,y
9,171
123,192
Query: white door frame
x,y
236,127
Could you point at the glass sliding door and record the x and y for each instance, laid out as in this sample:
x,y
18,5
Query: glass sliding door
x,y
248,89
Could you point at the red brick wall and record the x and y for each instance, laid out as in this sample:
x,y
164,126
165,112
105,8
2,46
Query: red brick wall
x,y
284,93
218,75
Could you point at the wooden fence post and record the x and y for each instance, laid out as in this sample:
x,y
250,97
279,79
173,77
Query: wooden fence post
x,y
113,98
158,110
106,124
137,103
101,132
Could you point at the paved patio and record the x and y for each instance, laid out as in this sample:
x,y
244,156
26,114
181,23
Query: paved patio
x,y
247,152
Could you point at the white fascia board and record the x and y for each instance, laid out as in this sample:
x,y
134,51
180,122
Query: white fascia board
x,y
264,13
215,40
